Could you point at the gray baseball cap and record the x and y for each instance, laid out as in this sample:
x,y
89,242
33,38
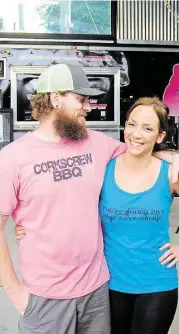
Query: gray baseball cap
x,y
65,77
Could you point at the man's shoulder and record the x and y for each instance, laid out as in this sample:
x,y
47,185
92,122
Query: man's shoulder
x,y
101,136
13,148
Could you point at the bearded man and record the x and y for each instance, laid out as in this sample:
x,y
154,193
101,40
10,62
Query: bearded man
x,y
50,182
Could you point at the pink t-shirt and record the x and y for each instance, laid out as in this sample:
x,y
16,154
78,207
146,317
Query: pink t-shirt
x,y
53,189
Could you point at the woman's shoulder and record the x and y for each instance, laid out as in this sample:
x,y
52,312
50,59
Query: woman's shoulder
x,y
160,163
111,163
165,170
109,172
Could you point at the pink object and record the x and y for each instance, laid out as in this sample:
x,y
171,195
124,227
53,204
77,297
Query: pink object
x,y
171,93
53,189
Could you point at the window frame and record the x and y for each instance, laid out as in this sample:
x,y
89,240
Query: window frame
x,y
56,37
38,69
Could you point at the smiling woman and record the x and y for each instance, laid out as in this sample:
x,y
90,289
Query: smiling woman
x,y
135,204
152,123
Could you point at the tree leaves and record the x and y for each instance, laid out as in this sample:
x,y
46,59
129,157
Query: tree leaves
x,y
87,17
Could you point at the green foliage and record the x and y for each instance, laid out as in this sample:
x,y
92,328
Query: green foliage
x,y
87,17
1,23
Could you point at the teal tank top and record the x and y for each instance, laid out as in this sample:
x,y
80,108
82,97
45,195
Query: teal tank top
x,y
135,226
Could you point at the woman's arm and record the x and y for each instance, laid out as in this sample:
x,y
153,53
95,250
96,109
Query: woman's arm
x,y
20,232
171,255
173,185
172,251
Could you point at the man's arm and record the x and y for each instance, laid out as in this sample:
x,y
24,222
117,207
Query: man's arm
x,y
8,277
173,158
116,147
167,155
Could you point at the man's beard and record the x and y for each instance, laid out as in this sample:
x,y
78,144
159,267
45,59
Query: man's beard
x,y
68,126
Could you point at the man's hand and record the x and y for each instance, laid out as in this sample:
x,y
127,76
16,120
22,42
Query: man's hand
x,y
20,232
171,255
